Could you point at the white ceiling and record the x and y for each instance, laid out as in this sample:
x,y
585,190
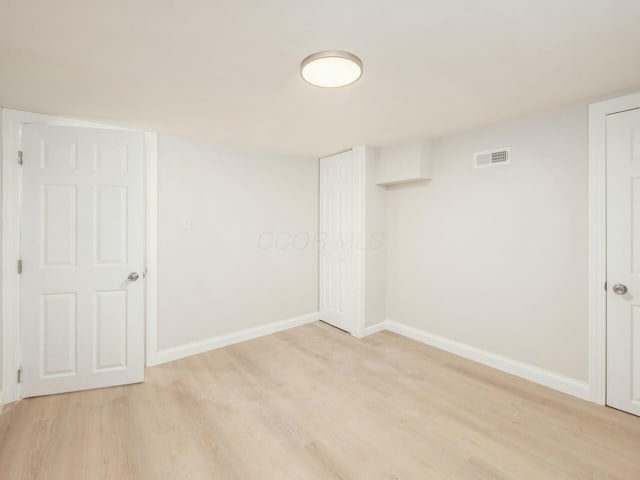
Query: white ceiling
x,y
228,71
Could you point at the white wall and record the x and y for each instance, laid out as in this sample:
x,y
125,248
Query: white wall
x,y
497,258
248,258
375,244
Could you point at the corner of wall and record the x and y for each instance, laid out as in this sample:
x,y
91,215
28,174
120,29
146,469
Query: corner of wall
x,y
376,244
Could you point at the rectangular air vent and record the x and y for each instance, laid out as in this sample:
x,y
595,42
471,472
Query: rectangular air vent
x,y
492,158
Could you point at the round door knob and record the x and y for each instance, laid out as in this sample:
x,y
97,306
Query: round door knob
x,y
133,276
619,289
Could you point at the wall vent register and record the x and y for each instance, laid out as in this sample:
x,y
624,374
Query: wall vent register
x,y
492,158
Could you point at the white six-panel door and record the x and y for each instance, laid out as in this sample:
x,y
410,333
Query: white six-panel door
x,y
623,261
337,241
82,236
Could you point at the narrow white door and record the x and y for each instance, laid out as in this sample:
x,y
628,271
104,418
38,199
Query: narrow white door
x,y
337,241
623,261
82,284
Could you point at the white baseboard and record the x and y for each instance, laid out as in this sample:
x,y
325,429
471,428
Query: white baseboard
x,y
538,375
201,346
378,327
1,401
529,372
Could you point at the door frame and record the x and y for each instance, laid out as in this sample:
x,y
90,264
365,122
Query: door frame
x,y
360,229
598,113
11,240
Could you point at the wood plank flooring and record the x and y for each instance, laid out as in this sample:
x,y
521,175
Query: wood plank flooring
x,y
315,403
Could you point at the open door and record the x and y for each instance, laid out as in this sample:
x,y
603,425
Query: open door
x,y
83,258
337,241
623,261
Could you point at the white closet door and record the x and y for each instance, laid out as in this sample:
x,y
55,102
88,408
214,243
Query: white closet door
x,y
83,223
623,261
337,241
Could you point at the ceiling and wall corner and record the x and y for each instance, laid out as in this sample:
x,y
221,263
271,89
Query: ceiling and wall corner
x,y
228,72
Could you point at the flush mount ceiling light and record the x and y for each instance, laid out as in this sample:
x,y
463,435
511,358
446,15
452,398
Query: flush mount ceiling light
x,y
331,69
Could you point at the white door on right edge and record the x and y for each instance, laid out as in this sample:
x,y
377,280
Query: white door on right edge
x,y
623,261
337,299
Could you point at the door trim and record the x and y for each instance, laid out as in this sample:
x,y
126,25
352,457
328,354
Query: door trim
x,y
151,307
598,113
11,245
359,227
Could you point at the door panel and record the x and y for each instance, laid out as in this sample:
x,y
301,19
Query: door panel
x,y
337,297
111,329
59,154
623,261
82,234
59,320
111,225
60,218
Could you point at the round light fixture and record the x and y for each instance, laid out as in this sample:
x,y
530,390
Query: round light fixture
x,y
331,69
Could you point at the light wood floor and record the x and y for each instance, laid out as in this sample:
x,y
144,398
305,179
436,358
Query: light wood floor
x,y
315,403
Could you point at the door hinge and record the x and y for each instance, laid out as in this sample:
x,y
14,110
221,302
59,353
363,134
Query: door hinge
x,y
20,266
605,286
20,375
19,157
